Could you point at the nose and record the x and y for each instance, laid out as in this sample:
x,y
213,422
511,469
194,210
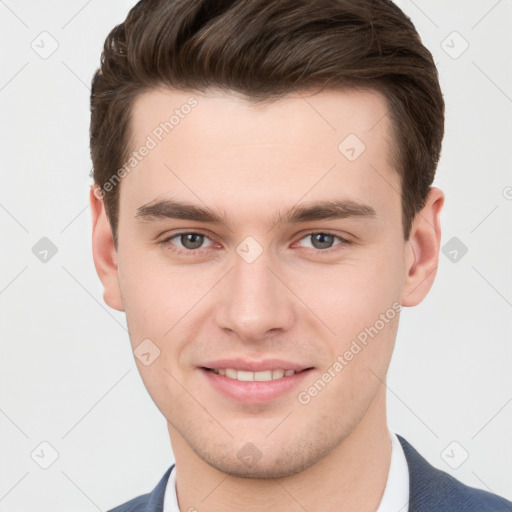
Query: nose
x,y
254,302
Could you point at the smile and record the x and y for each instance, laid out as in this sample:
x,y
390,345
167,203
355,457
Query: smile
x,y
248,376
254,382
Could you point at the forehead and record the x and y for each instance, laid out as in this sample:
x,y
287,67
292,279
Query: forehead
x,y
297,116
222,149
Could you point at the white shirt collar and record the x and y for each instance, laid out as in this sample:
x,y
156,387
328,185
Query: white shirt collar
x,y
394,499
396,492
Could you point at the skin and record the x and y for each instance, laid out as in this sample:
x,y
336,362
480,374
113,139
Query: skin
x,y
293,302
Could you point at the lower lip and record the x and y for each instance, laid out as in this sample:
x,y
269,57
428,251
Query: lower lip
x,y
254,392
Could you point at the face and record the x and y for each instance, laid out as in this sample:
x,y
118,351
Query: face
x,y
261,264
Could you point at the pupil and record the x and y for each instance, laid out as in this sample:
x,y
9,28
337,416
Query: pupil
x,y
192,240
321,240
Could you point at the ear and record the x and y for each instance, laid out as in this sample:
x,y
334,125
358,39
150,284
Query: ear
x,y
422,250
104,251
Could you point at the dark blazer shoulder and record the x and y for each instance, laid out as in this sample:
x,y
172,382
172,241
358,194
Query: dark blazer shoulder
x,y
432,489
151,502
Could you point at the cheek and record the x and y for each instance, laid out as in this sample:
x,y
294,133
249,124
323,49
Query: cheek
x,y
351,295
156,295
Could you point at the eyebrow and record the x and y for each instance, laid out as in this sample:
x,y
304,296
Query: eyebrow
x,y
322,210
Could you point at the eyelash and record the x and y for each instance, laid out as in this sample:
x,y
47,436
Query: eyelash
x,y
191,252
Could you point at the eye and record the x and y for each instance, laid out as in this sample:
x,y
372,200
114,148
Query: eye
x,y
190,243
186,242
322,241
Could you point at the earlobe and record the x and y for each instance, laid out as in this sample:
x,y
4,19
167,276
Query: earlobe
x,y
104,251
422,250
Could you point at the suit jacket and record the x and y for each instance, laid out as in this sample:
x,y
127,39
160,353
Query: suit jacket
x,y
430,490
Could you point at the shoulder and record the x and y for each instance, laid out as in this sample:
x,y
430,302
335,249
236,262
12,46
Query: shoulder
x,y
135,505
433,489
151,502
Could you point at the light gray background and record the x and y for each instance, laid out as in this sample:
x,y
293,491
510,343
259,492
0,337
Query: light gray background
x,y
67,373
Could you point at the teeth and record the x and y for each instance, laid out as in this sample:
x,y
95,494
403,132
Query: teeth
x,y
263,376
232,374
245,376
277,374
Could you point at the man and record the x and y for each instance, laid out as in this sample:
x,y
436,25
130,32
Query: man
x,y
262,210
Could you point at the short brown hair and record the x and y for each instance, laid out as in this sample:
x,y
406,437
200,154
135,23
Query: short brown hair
x,y
264,50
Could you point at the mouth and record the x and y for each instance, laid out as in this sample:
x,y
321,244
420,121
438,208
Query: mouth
x,y
249,376
254,382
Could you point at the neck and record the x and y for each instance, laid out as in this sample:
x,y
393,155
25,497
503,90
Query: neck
x,y
351,477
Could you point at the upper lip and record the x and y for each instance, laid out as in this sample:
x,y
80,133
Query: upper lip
x,y
253,365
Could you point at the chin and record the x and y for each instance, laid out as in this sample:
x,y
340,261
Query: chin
x,y
249,461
